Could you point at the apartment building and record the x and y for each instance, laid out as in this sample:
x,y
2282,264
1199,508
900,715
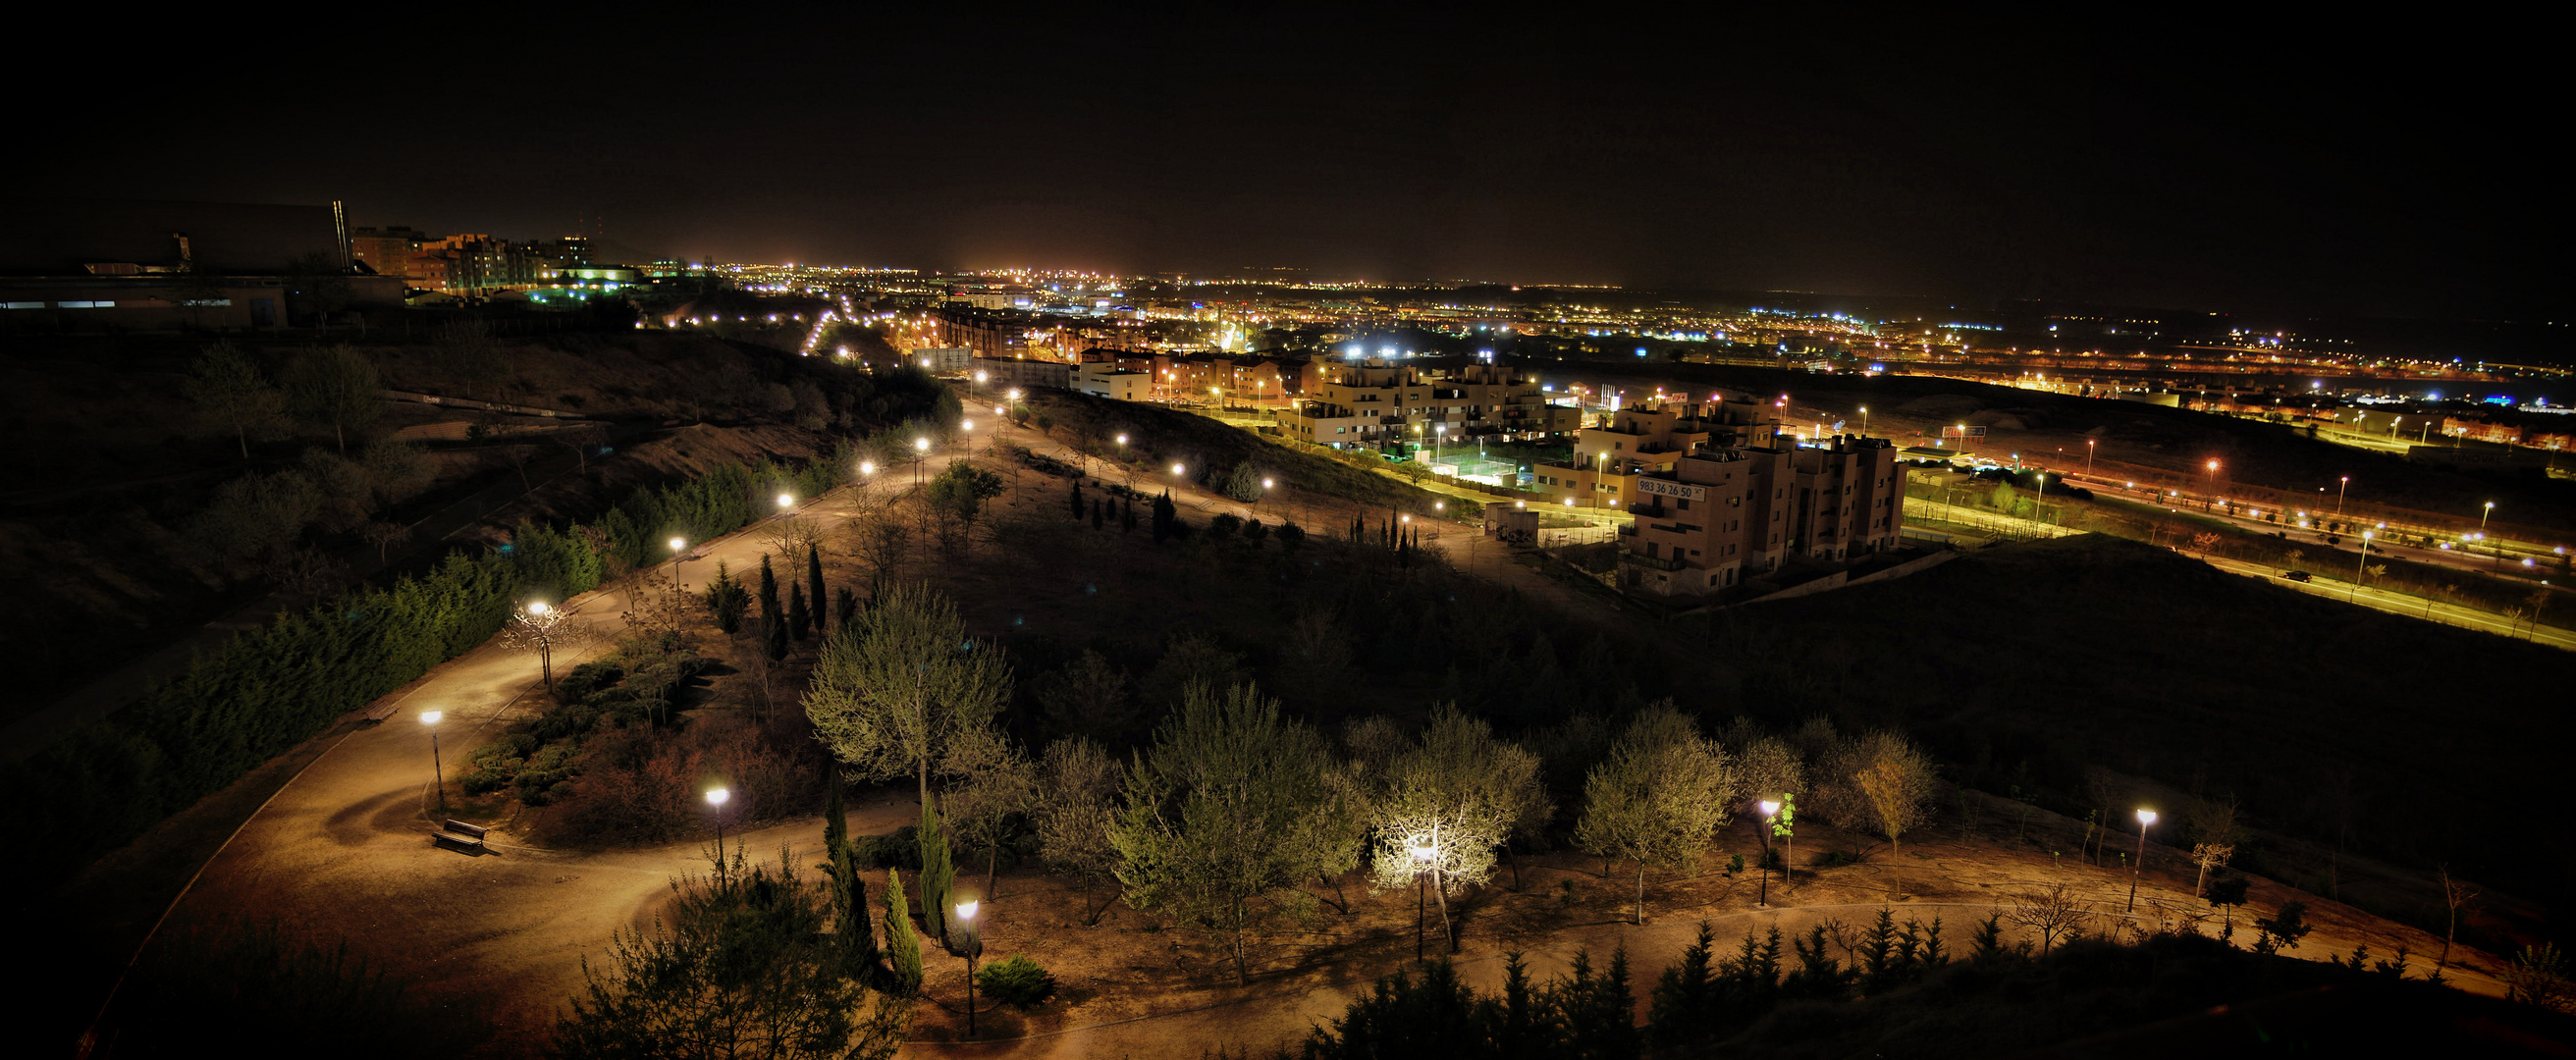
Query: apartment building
x,y
1709,519
1380,405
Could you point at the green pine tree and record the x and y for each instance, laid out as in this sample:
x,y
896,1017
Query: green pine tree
x,y
814,585
902,947
938,873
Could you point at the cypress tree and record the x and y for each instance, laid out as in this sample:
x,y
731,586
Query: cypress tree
x,y
903,948
1127,516
1077,505
845,607
773,634
799,622
814,582
1095,515
769,612
938,873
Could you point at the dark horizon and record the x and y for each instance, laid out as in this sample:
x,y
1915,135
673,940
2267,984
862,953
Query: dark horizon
x,y
1886,157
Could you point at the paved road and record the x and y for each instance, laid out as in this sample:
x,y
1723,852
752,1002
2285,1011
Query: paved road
x,y
2406,604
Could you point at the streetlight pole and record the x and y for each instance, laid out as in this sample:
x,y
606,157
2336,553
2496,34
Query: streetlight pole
x,y
973,947
2357,566
921,452
716,799
2497,550
1864,421
1422,852
437,771
1770,813
2089,443
2340,488
2145,818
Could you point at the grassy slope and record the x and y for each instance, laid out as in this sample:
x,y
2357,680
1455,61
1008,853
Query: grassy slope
x,y
2021,665
1160,436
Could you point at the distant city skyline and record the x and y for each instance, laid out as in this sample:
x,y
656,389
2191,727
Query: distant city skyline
x,y
1893,156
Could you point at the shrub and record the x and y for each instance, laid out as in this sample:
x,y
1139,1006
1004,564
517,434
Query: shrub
x,y
902,850
1016,981
587,678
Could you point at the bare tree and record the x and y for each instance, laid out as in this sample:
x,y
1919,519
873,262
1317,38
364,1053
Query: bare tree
x,y
384,536
883,538
1080,782
468,354
2457,897
791,536
543,629
229,387
997,782
336,387
2214,833
2052,911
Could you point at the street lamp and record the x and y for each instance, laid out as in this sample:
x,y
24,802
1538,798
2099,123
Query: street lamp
x,y
716,798
2089,443
2482,532
2356,566
678,544
1423,852
437,772
1864,421
971,948
2145,818
1770,812
921,449
2340,487
2213,485
785,502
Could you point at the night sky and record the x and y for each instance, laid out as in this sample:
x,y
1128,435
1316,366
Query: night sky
x,y
2382,170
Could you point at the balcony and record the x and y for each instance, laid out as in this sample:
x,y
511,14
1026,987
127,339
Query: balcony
x,y
1640,559
1649,511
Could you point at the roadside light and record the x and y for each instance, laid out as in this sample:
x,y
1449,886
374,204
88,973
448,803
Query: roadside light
x,y
537,607
867,467
678,544
785,501
921,445
432,717
717,796
1178,469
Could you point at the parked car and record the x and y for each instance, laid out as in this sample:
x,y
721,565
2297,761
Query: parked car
x,y
2295,575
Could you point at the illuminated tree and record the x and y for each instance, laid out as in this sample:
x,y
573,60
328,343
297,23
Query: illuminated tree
x,y
1449,802
543,630
904,690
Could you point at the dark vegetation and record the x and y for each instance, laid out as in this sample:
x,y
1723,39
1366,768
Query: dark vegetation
x,y
268,690
155,485
1901,993
2022,666
303,998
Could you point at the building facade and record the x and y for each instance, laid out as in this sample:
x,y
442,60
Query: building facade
x,y
1713,517
1381,406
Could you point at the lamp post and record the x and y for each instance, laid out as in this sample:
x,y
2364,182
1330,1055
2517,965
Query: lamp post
x,y
2357,566
972,947
437,772
539,623
678,545
1265,492
2341,487
716,798
999,413
785,502
2145,818
1864,421
921,452
2482,533
1770,812
1422,853
2213,486
2089,445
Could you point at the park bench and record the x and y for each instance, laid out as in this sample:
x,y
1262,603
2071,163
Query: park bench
x,y
461,837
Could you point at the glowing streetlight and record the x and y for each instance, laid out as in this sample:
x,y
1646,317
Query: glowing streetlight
x,y
2089,443
1423,852
2482,532
716,798
971,948
2145,818
437,772
785,502
2357,565
867,467
678,546
921,449
2343,484
1770,812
